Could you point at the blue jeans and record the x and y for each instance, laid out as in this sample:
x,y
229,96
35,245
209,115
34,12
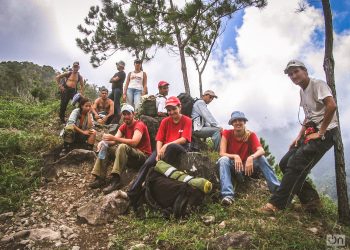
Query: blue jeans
x,y
212,132
226,167
115,96
133,97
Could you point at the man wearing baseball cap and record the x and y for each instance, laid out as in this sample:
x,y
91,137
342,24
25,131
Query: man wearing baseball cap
x,y
315,138
204,123
68,84
117,88
132,150
161,97
173,136
241,154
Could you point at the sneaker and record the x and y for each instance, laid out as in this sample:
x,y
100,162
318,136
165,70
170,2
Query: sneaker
x,y
113,186
269,209
97,183
227,201
312,206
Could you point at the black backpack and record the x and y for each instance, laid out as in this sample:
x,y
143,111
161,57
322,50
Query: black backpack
x,y
186,103
170,196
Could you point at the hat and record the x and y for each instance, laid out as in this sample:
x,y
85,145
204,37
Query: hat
x,y
172,101
163,83
120,63
127,107
138,60
211,93
294,63
237,115
76,63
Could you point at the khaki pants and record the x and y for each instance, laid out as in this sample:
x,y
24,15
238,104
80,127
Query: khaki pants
x,y
125,156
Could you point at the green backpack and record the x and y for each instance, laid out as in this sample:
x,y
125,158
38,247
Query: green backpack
x,y
148,106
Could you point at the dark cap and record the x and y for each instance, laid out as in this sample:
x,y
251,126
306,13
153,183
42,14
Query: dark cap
x,y
138,60
76,63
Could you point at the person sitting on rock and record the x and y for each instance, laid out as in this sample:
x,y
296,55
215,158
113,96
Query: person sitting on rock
x,y
172,138
163,88
204,123
241,153
79,127
103,108
133,149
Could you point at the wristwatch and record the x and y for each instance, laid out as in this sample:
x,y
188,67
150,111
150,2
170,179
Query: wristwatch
x,y
321,136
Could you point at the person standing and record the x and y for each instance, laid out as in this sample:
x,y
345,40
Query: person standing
x,y
204,123
241,154
315,138
117,88
136,85
68,83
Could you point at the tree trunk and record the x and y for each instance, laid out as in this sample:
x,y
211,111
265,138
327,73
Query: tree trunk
x,y
200,83
328,65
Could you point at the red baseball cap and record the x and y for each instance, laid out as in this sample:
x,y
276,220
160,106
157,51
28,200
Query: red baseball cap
x,y
172,101
163,83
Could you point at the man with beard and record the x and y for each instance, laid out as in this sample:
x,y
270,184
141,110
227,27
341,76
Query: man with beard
x,y
133,149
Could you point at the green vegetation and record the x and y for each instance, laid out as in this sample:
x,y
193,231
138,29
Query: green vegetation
x,y
25,132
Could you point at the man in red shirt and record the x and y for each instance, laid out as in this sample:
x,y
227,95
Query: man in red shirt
x,y
173,136
133,149
241,153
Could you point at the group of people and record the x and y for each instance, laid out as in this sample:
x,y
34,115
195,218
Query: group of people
x,y
241,153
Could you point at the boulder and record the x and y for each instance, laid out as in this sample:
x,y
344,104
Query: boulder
x,y
235,240
104,209
199,165
74,159
46,234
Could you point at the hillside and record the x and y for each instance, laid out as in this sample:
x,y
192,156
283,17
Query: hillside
x,y
31,205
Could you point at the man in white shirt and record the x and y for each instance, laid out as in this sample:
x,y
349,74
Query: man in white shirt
x,y
161,98
315,138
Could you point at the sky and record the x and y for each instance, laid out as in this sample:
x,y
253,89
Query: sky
x,y
245,69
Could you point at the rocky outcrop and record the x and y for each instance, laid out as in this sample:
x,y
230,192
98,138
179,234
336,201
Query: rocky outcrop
x,y
74,159
235,240
104,209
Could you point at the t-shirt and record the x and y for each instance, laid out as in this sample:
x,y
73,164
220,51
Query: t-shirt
x,y
243,149
169,131
160,103
311,101
136,80
118,84
128,132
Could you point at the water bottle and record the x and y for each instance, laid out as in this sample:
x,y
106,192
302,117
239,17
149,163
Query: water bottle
x,y
103,150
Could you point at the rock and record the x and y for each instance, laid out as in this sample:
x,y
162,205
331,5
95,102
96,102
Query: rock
x,y
15,236
138,246
66,231
5,216
104,209
72,236
74,159
198,165
44,234
222,225
75,248
209,219
313,230
240,239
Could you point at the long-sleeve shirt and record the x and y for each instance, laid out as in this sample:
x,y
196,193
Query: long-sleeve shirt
x,y
201,116
74,118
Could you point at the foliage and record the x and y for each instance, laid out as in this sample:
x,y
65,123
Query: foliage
x,y
25,132
141,27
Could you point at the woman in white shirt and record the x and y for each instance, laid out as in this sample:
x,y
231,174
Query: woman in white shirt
x,y
136,85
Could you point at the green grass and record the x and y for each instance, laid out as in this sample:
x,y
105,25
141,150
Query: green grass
x,y
26,131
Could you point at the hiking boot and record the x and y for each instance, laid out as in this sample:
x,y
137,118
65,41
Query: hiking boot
x,y
269,209
114,185
97,183
227,201
312,206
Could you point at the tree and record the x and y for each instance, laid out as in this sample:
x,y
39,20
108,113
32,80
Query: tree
x,y
140,26
328,66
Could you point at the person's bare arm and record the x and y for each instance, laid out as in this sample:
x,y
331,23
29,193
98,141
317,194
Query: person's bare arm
x,y
144,84
82,83
126,87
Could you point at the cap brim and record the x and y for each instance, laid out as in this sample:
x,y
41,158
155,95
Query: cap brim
x,y
232,119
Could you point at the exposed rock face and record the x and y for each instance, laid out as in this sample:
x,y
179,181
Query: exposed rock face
x,y
104,209
74,159
197,164
235,240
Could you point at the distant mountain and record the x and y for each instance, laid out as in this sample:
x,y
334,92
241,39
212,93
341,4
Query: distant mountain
x,y
26,79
